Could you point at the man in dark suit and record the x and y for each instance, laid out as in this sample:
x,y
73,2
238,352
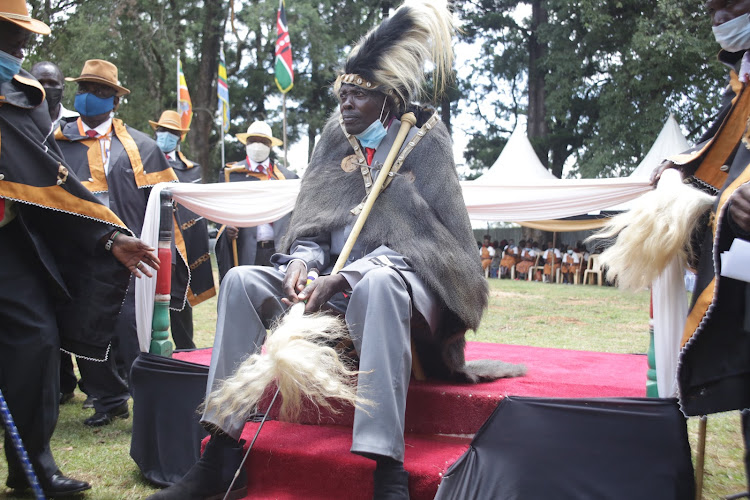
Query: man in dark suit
x,y
59,283
193,282
119,165
253,245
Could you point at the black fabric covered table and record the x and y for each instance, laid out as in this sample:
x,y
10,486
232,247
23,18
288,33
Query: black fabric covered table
x,y
166,430
618,448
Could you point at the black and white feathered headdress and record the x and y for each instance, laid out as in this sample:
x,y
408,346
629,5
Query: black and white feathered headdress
x,y
391,58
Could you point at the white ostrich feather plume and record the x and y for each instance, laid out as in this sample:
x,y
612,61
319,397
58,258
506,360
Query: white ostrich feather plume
x,y
649,235
299,359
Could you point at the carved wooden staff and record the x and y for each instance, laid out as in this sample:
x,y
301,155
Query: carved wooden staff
x,y
228,171
408,120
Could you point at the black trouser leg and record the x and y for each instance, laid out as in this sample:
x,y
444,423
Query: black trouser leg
x,y
181,325
29,351
107,381
68,380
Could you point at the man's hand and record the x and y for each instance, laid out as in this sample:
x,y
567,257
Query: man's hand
x,y
739,209
135,255
231,232
294,282
319,291
656,173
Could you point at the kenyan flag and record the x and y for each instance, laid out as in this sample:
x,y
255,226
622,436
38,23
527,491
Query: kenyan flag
x,y
283,67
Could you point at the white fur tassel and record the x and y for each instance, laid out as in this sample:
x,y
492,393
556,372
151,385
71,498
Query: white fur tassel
x,y
649,235
298,358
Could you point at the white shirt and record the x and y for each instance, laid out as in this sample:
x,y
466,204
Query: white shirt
x,y
104,134
64,113
557,253
264,232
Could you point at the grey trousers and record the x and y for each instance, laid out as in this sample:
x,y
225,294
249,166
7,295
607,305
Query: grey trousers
x,y
378,316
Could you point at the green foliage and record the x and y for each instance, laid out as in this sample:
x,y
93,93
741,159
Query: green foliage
x,y
142,37
613,72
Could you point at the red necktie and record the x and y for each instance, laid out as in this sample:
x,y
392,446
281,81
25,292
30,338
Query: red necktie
x,y
91,133
370,153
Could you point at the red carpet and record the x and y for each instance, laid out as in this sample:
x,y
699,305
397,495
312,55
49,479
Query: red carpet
x,y
296,461
292,461
436,407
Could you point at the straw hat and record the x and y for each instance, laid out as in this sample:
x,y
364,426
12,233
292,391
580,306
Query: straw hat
x,y
98,71
259,129
16,12
169,119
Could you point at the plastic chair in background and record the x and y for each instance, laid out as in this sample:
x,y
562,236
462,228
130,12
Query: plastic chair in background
x,y
594,270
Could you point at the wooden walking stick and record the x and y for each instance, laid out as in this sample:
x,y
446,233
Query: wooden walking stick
x,y
408,120
228,171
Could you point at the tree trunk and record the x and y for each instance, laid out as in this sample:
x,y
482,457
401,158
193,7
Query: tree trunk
x,y
537,125
205,103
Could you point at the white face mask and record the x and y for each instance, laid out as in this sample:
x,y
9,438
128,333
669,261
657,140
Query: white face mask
x,y
257,151
734,35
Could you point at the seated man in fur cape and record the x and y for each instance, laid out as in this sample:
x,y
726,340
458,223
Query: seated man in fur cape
x,y
414,271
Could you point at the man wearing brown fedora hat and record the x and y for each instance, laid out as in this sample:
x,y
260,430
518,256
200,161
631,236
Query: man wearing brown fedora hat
x,y
59,285
119,165
254,245
194,282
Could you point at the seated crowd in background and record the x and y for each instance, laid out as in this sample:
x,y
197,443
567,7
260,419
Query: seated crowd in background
x,y
556,264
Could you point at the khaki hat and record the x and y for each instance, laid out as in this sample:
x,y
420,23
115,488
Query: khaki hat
x,y
259,129
99,71
169,119
16,12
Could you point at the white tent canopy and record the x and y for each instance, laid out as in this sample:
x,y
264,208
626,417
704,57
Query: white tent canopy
x,y
670,141
517,163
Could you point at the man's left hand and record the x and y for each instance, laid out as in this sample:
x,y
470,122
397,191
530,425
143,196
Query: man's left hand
x,y
320,290
135,255
739,209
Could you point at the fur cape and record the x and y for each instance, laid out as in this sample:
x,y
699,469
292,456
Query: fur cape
x,y
422,216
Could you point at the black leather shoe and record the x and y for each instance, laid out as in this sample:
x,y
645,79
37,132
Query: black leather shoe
x,y
210,477
88,403
56,486
105,418
391,481
65,397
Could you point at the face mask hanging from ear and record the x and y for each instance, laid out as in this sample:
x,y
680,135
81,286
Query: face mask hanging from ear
x,y
372,135
734,35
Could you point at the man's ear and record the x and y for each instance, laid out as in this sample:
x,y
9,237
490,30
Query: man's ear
x,y
116,103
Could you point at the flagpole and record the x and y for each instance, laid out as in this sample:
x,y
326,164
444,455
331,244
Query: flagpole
x,y
222,133
178,93
284,129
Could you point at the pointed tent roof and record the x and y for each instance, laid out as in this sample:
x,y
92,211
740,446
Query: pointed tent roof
x,y
517,163
670,141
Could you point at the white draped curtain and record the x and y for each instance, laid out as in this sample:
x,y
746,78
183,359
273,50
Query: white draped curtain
x,y
246,204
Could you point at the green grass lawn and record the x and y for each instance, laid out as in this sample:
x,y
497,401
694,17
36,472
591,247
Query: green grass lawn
x,y
588,318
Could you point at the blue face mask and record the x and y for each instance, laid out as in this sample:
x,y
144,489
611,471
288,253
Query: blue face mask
x,y
166,141
91,105
9,66
372,135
